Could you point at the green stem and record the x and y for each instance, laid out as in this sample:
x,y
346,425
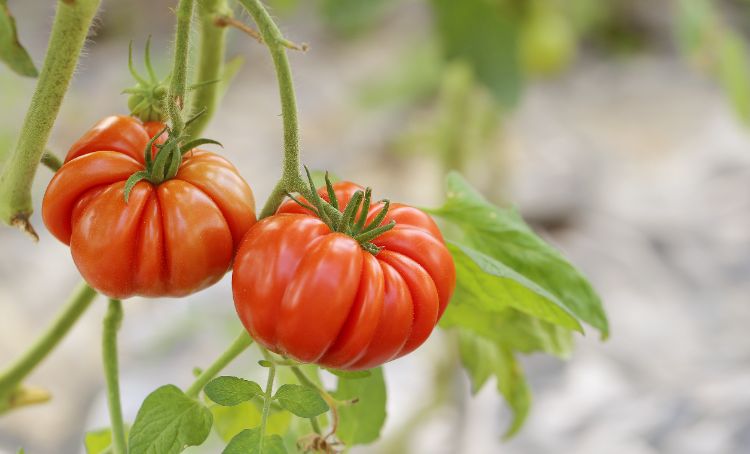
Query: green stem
x,y
268,396
210,64
72,22
112,322
291,179
12,377
178,85
51,161
239,345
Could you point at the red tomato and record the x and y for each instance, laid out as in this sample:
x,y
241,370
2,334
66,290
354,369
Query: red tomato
x,y
319,297
170,239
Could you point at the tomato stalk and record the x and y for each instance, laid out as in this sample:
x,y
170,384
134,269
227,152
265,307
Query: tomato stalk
x,y
240,344
13,375
291,179
72,22
267,395
210,63
112,322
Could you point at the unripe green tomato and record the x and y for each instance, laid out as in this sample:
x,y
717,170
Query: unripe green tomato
x,y
547,43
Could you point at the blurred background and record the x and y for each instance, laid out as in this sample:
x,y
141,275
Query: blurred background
x,y
618,128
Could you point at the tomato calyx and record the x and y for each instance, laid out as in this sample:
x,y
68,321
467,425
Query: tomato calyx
x,y
147,95
352,219
167,162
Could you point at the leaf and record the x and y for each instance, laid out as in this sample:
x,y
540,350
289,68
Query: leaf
x,y
248,442
99,441
303,401
229,391
351,17
169,421
502,235
483,359
734,73
509,327
490,285
351,374
11,51
361,422
485,35
229,421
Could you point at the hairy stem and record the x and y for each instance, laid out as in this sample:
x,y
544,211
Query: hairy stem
x,y
112,322
178,85
72,22
12,376
291,179
239,345
210,64
268,396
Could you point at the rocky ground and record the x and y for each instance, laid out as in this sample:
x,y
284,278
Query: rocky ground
x,y
640,164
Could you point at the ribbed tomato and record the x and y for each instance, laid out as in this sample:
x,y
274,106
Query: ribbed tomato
x,y
317,296
170,239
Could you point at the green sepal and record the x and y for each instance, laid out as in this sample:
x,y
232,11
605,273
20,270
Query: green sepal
x,y
350,211
132,181
331,193
198,142
363,214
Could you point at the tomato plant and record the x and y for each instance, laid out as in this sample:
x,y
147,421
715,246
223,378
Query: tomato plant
x,y
327,279
170,238
337,295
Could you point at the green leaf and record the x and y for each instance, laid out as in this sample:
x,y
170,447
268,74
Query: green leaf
x,y
492,286
351,374
303,401
361,422
229,421
350,17
734,73
132,181
168,422
502,235
99,441
11,51
230,391
485,35
248,442
483,359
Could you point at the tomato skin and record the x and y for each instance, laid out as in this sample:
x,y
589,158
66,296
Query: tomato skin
x,y
171,239
315,295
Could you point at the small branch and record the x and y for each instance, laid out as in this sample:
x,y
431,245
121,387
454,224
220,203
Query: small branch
x,y
112,322
12,377
228,21
51,161
210,65
72,22
239,345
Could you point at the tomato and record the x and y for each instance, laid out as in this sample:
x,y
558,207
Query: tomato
x,y
170,239
317,296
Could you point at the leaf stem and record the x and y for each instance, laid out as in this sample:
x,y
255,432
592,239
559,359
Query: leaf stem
x,y
267,397
210,64
291,179
240,344
178,84
112,322
14,374
72,22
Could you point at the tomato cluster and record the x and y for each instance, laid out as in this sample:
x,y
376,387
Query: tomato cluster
x,y
302,288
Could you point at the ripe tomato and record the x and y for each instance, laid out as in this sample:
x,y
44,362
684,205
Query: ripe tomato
x,y
315,295
170,239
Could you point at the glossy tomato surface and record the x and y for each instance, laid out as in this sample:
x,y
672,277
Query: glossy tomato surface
x,y
170,239
319,297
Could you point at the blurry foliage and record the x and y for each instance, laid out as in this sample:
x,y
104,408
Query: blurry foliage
x,y
11,51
